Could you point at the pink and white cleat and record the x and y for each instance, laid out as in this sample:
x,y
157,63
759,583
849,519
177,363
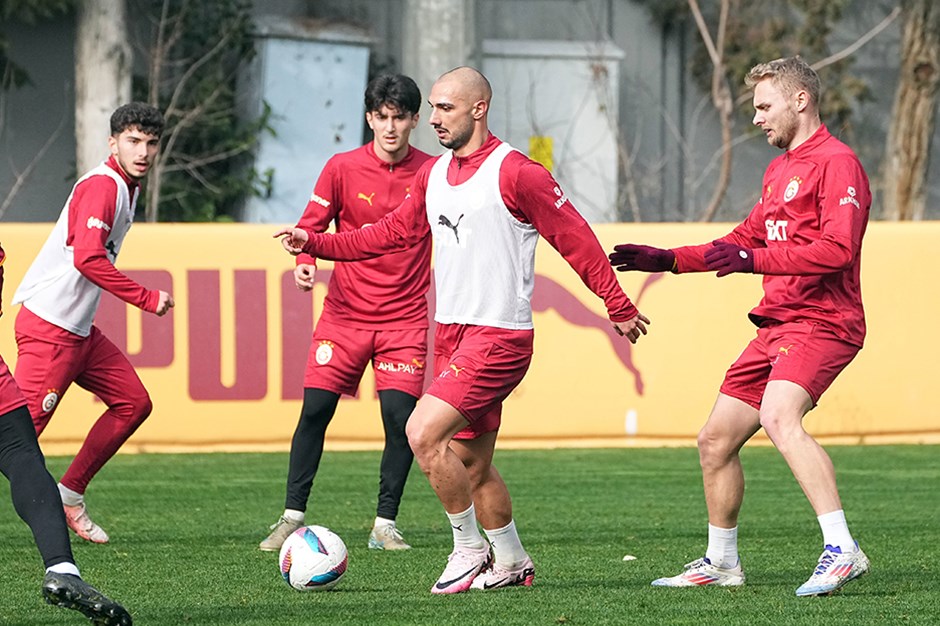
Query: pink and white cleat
x,y
496,576
77,519
463,565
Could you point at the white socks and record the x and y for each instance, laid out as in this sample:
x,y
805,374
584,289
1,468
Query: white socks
x,y
294,515
507,549
382,521
722,546
64,568
70,498
835,531
466,533
723,542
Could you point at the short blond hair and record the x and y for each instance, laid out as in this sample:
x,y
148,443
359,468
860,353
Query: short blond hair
x,y
789,74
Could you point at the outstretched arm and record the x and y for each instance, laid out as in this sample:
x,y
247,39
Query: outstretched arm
x,y
322,209
398,230
537,198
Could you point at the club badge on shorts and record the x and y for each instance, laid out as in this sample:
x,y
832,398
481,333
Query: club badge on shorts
x,y
50,400
324,352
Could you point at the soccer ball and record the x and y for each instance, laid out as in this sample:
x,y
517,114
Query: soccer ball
x,y
313,558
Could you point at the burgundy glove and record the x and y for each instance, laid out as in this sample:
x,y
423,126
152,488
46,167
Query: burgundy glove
x,y
728,258
628,256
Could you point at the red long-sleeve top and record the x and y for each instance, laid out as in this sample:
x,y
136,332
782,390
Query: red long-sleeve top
x,y
806,232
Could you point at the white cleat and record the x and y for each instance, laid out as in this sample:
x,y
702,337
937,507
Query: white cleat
x,y
701,573
463,565
387,537
280,531
496,576
834,569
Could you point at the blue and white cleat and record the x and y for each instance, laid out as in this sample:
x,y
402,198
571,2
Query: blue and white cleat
x,y
701,573
834,570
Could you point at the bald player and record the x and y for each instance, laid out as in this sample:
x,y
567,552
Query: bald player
x,y
484,204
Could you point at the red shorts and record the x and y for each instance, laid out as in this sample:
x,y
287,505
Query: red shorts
x,y
339,355
10,395
476,368
799,352
45,371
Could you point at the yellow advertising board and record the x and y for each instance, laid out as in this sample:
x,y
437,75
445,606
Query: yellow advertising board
x,y
225,368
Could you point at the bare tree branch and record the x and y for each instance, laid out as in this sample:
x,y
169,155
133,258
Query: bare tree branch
x,y
841,54
861,41
703,31
189,163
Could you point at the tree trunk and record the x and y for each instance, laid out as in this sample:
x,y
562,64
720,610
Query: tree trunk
x,y
102,76
907,155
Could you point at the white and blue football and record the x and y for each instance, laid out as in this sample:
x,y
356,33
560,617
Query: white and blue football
x,y
313,558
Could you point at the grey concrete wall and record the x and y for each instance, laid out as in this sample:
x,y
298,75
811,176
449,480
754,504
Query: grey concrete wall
x,y
36,114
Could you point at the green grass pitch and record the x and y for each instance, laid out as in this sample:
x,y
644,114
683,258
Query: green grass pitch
x,y
185,529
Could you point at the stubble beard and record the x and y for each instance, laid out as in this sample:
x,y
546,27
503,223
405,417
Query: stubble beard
x,y
457,140
786,131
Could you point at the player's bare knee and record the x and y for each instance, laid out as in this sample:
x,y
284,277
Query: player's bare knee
x,y
426,447
782,429
715,448
712,449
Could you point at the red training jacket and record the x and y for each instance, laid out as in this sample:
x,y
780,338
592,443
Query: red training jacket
x,y
806,231
357,188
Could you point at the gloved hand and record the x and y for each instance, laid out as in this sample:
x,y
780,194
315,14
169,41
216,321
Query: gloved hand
x,y
728,258
628,256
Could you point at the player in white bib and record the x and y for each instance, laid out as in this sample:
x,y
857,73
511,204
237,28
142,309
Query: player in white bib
x,y
57,342
484,204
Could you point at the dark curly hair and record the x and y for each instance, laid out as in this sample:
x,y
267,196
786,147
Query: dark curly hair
x,y
139,115
394,90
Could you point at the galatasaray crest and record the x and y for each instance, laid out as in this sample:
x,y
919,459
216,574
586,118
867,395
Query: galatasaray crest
x,y
324,352
793,187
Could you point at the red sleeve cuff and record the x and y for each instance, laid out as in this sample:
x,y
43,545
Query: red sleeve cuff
x,y
625,314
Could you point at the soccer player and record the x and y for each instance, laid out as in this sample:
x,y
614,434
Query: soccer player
x,y
56,340
805,235
484,204
37,502
374,311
